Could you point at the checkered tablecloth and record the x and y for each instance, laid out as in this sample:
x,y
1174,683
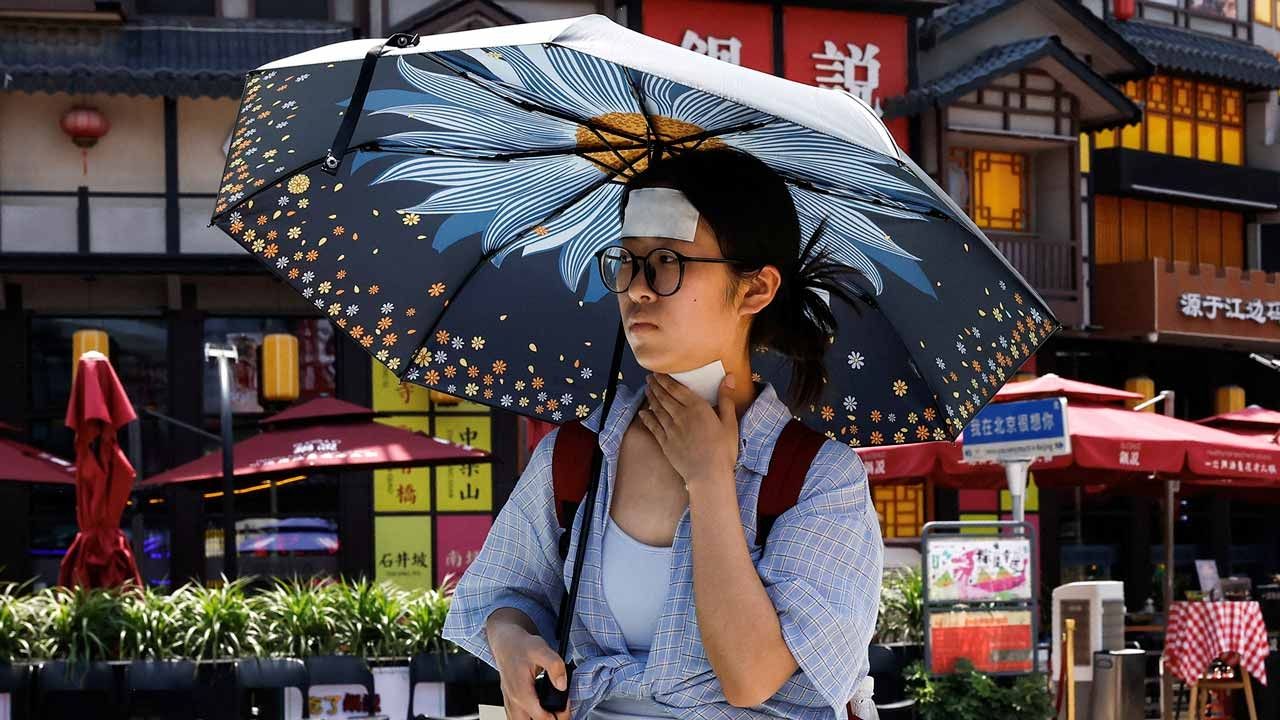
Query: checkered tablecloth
x,y
1200,632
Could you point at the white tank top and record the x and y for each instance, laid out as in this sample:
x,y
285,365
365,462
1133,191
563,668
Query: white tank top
x,y
635,579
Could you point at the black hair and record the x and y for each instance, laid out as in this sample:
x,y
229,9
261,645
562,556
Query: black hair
x,y
754,219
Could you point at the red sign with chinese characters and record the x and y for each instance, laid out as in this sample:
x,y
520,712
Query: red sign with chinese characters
x,y
458,540
736,32
864,53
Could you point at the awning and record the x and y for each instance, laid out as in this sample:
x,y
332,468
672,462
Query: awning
x,y
20,462
1256,422
1174,49
151,55
1102,105
322,434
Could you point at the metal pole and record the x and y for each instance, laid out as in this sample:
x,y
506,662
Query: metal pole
x,y
1170,517
225,356
1015,474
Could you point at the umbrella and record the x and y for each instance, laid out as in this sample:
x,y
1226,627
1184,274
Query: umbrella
x,y
1253,421
322,433
442,199
24,463
99,556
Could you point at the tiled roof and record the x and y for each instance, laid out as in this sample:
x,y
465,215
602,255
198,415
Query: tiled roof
x,y
1177,49
152,55
1004,59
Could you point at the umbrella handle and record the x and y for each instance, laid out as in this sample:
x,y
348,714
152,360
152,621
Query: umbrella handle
x,y
548,695
333,156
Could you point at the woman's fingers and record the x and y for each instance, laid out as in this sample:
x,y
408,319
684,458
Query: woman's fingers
x,y
676,391
654,427
659,408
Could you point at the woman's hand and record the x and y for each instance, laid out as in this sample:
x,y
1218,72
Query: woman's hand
x,y
700,442
520,656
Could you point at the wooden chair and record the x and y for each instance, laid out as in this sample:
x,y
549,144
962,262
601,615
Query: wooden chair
x,y
1201,689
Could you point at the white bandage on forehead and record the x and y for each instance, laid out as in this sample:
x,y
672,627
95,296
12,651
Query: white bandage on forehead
x,y
659,212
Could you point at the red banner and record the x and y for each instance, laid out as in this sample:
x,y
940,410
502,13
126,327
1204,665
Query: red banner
x,y
736,32
864,53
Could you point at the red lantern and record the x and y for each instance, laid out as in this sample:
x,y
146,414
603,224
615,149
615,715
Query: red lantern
x,y
1122,9
85,125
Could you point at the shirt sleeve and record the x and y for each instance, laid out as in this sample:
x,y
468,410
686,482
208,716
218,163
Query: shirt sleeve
x,y
821,568
518,566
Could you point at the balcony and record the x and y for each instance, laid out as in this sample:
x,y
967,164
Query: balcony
x,y
1051,266
1120,171
1193,304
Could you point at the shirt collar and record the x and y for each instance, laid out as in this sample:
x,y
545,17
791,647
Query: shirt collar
x,y
758,428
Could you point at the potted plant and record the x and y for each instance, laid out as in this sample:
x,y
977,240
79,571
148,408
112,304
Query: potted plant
x,y
18,632
967,694
219,625
900,622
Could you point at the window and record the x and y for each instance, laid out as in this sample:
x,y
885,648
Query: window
x,y
991,186
1185,118
292,9
901,509
205,8
1266,12
289,530
316,370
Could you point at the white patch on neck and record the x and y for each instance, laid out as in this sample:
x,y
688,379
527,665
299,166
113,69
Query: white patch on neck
x,y
704,381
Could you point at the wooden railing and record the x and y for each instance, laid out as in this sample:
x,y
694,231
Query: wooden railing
x,y
1052,267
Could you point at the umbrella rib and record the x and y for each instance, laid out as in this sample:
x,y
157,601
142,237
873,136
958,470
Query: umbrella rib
x,y
630,165
374,146
638,93
807,185
484,259
533,107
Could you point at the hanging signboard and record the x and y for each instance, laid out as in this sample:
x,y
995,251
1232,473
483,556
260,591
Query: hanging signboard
x,y
1022,430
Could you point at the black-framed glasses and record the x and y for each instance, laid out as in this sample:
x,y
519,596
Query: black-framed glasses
x,y
663,268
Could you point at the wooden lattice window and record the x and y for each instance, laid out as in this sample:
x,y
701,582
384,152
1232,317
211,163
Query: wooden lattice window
x,y
901,510
997,187
1184,118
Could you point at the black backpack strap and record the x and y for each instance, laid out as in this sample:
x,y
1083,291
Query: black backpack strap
x,y
793,453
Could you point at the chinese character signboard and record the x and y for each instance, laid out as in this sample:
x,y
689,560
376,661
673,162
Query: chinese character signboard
x,y
1023,430
465,488
460,538
995,641
402,550
391,395
736,32
979,569
403,489
863,53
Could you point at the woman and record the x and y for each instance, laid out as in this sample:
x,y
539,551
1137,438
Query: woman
x,y
681,612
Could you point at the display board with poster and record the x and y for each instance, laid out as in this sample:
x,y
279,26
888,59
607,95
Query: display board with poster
x,y
980,596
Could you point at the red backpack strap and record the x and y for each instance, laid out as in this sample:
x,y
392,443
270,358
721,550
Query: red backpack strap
x,y
570,473
793,453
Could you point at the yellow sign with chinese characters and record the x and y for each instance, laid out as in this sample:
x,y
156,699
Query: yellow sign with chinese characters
x,y
465,487
391,395
402,550
403,489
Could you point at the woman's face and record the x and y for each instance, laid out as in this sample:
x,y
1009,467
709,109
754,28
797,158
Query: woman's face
x,y
698,324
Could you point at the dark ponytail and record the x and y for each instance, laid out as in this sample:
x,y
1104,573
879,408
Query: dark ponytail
x,y
754,218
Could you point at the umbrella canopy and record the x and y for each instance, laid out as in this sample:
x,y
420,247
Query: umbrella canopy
x,y
323,433
20,462
99,556
442,199
1254,421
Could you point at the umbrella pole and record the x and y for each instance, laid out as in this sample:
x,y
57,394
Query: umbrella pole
x,y
1170,517
552,699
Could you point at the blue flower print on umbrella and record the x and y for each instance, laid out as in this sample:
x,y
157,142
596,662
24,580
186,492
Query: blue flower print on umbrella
x,y
442,202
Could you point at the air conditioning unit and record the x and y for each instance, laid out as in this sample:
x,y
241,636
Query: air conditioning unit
x,y
1098,609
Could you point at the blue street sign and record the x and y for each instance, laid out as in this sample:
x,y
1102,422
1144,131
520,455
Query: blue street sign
x,y
1023,430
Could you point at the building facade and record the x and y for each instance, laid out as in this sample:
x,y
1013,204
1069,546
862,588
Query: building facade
x,y
1125,159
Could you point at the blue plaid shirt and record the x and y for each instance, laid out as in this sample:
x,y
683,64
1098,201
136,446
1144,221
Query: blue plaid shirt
x,y
821,568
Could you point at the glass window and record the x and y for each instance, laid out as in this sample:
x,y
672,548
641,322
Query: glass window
x,y
993,187
206,8
1184,118
316,370
297,9
139,353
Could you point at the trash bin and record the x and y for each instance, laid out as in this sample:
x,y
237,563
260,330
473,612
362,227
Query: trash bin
x,y
1118,685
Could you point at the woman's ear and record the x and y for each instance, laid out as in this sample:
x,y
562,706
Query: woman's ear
x,y
760,290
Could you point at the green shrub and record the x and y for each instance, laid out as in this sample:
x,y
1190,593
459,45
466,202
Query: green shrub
x,y
901,617
968,694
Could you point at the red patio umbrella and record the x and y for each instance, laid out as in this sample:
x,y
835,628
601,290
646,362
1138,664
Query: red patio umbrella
x,y
20,462
321,433
99,555
1253,421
